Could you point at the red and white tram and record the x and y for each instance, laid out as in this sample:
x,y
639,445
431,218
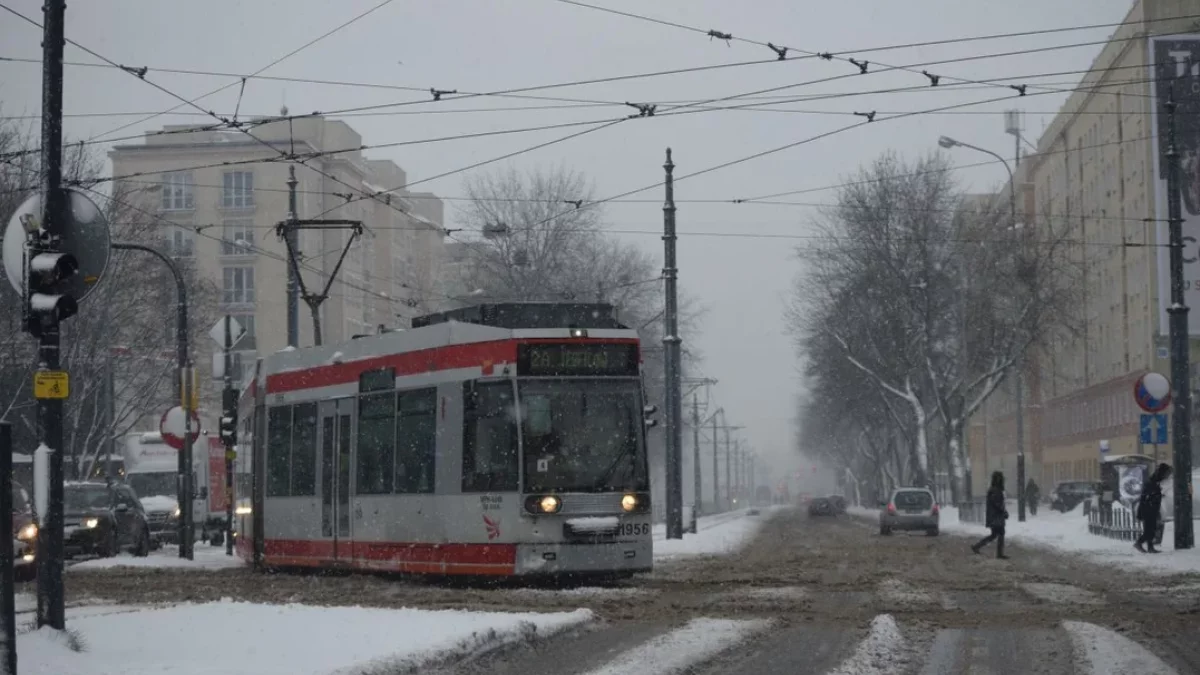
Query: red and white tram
x,y
492,440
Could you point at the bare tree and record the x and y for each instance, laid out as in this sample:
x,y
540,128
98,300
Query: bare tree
x,y
933,301
120,347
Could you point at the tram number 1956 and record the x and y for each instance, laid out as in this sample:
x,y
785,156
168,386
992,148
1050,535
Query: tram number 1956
x,y
635,529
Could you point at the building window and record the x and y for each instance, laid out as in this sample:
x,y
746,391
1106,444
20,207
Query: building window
x,y
238,237
180,243
237,190
178,191
238,285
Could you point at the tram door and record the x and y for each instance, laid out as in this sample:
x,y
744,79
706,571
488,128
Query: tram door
x,y
336,435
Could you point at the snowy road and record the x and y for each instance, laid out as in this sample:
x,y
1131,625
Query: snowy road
x,y
824,595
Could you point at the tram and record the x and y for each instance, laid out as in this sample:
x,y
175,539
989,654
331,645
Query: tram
x,y
498,440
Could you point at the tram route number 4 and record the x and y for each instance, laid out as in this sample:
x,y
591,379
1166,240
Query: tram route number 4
x,y
51,385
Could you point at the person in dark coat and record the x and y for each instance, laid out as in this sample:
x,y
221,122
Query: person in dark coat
x,y
997,513
1149,508
1033,495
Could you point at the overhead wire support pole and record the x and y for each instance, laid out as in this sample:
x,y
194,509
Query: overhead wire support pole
x,y
671,344
51,608
1181,416
287,230
293,273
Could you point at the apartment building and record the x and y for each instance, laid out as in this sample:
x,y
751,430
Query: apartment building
x,y
218,196
1098,170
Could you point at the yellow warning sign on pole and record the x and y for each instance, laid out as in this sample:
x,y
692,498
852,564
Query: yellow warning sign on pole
x,y
48,384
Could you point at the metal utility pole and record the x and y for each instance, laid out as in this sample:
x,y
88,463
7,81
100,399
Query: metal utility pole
x,y
671,344
1181,416
287,231
697,498
51,608
228,429
189,402
716,490
293,273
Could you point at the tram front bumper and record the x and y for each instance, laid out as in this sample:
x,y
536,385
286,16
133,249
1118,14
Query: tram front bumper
x,y
585,558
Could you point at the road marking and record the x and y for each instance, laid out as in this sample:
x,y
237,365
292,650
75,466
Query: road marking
x,y
1107,652
696,642
883,652
1062,594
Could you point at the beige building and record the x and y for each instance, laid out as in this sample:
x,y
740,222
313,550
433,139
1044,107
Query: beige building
x,y
220,194
1094,173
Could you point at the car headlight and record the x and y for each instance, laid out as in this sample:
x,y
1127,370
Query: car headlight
x,y
28,533
550,504
91,523
243,510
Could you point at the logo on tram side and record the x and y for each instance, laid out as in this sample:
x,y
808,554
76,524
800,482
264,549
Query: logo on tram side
x,y
493,527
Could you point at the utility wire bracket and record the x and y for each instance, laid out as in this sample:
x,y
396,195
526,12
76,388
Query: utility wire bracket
x,y
314,300
439,93
933,79
862,65
1019,88
644,109
869,115
781,52
720,36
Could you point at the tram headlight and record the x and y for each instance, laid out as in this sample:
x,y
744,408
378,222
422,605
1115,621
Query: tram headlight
x,y
549,504
629,503
243,510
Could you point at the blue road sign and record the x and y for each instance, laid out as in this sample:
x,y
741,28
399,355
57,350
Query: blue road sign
x,y
1154,429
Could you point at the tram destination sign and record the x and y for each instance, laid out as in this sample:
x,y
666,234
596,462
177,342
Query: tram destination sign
x,y
552,359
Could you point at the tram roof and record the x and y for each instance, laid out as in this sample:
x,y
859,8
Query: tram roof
x,y
517,315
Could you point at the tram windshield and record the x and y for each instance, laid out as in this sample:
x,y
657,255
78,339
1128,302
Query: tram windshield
x,y
582,435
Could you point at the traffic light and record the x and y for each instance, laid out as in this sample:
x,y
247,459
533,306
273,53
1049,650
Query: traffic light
x,y
49,274
229,429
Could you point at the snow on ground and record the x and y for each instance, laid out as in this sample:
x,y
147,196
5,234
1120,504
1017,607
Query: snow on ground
x,y
205,558
1068,532
1062,594
720,534
696,642
883,652
252,639
1107,652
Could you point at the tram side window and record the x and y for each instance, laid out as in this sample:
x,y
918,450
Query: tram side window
x,y
304,451
279,450
489,438
416,441
376,443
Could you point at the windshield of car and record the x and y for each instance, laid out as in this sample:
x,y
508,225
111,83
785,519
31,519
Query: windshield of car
x,y
582,435
913,500
86,497
152,484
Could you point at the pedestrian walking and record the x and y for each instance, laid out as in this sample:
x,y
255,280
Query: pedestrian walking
x,y
1149,508
1032,496
997,513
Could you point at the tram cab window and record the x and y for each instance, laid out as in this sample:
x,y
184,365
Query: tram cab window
x,y
489,438
416,441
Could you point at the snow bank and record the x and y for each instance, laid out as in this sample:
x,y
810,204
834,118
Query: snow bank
x,y
1067,532
255,639
696,642
721,534
207,558
1107,652
883,652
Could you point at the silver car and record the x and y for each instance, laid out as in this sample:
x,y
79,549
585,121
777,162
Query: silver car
x,y
909,509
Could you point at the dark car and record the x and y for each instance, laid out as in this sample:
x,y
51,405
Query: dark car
x,y
100,519
821,506
25,532
839,503
1068,494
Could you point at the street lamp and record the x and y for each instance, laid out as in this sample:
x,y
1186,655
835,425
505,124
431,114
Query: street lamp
x,y
947,142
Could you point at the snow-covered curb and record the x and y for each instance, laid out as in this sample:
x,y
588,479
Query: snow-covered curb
x,y
255,638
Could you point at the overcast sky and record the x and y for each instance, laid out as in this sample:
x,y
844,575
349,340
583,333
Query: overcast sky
x,y
739,259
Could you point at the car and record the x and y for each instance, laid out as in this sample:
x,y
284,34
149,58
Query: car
x,y
839,503
1068,494
101,519
25,533
910,509
821,506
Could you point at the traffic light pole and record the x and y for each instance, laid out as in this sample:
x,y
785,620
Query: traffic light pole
x,y
51,609
228,429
